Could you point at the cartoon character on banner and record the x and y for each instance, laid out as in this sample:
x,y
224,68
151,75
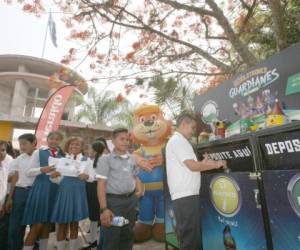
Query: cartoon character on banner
x,y
150,130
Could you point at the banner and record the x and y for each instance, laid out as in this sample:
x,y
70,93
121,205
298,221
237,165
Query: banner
x,y
52,112
248,101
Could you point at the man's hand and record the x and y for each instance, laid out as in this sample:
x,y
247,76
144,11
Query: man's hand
x,y
48,169
83,176
222,164
8,205
156,161
106,218
139,190
214,164
139,193
55,174
144,164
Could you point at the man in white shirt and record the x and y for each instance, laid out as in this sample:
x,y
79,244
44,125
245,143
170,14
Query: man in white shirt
x,y
5,159
184,181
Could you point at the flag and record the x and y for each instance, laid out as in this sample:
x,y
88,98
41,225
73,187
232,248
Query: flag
x,y
51,115
52,29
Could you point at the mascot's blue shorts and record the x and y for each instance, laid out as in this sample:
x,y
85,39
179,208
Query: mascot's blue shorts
x,y
152,207
152,203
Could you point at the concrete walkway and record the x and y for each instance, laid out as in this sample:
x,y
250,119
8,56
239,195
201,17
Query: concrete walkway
x,y
84,225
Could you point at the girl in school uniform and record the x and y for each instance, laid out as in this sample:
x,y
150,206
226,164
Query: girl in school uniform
x,y
71,201
39,204
96,150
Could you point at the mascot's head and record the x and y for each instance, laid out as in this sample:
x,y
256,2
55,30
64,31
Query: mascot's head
x,y
149,126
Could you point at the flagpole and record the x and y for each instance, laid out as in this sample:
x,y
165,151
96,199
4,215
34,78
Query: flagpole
x,y
45,39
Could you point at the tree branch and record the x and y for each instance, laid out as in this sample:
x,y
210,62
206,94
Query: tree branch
x,y
217,13
180,6
241,48
248,16
148,28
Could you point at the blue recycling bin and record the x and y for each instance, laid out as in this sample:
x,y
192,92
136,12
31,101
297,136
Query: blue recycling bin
x,y
231,209
280,151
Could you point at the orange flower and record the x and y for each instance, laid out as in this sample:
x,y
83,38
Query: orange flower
x,y
130,55
119,98
27,7
136,45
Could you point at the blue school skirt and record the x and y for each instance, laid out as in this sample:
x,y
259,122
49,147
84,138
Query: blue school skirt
x,y
71,201
40,201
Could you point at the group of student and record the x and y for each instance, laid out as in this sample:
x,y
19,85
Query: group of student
x,y
34,193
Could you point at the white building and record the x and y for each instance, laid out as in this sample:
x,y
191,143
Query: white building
x,y
25,85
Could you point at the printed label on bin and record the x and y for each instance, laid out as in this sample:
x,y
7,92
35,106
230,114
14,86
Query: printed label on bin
x,y
238,155
225,195
281,151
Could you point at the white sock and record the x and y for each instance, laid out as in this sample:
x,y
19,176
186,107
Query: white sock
x,y
27,247
73,244
93,231
43,244
61,245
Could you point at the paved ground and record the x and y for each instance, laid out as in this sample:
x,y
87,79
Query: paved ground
x,y
150,245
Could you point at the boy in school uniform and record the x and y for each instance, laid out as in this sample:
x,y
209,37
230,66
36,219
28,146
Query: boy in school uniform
x,y
5,159
118,191
19,191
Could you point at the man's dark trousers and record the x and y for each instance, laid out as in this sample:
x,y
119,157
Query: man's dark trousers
x,y
120,238
187,215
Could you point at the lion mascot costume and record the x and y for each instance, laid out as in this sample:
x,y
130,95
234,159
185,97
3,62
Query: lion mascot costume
x,y
150,131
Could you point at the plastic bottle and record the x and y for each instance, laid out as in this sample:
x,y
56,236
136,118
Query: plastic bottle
x,y
119,221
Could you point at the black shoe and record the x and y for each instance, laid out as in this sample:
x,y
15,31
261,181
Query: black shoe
x,y
36,246
91,245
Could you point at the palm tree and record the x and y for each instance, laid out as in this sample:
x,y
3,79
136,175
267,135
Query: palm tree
x,y
171,94
124,117
103,108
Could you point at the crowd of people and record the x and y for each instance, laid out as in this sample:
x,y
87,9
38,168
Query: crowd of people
x,y
34,192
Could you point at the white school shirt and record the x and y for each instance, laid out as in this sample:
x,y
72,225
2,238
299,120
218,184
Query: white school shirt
x,y
182,181
90,170
88,166
34,168
21,164
4,173
87,170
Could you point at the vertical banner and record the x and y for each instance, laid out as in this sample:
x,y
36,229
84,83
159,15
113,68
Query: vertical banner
x,y
52,113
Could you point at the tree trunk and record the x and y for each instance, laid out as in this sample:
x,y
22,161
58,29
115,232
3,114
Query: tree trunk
x,y
278,23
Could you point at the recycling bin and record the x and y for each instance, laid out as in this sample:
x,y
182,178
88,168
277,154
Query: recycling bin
x,y
230,200
280,151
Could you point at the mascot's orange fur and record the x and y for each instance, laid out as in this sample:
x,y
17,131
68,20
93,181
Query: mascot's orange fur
x,y
150,130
